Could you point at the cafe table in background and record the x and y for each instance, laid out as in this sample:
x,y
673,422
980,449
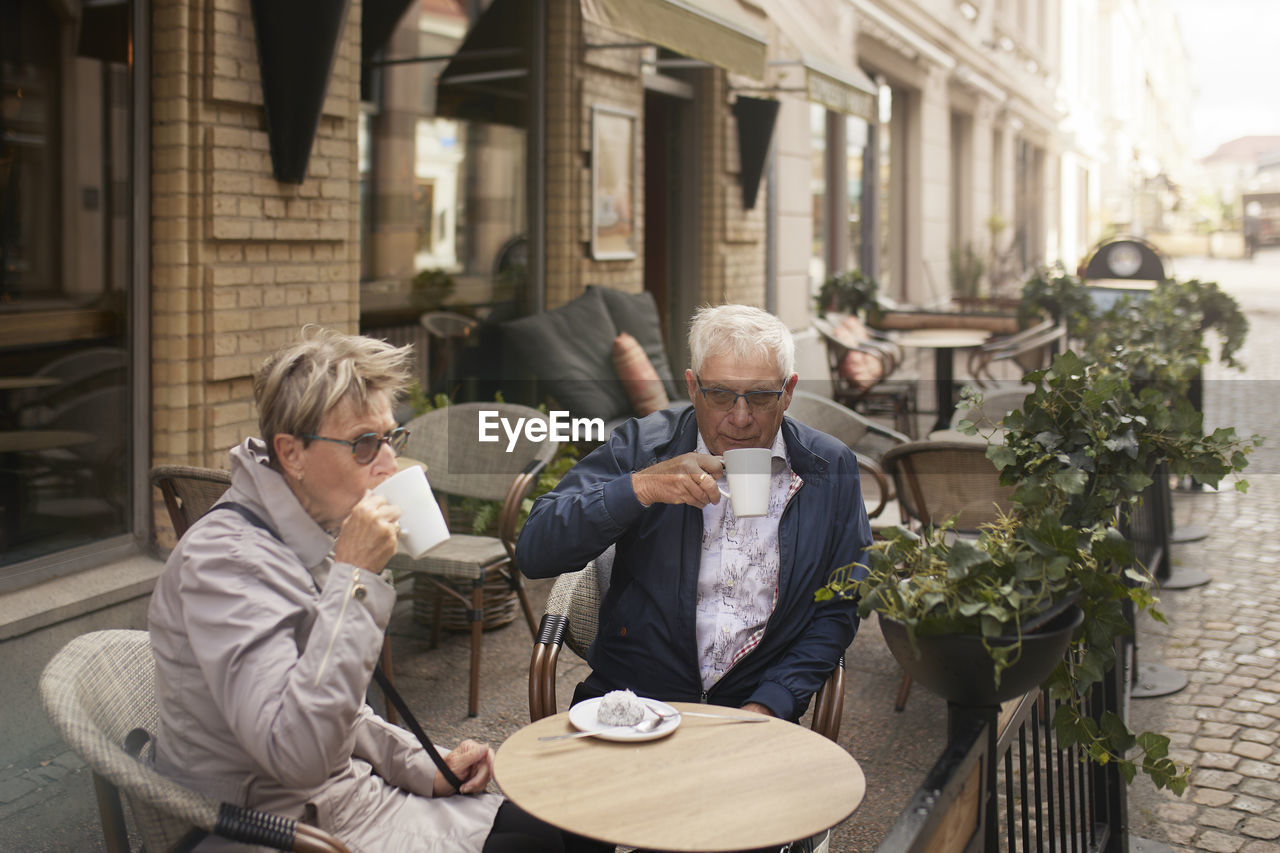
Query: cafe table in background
x,y
944,343
709,785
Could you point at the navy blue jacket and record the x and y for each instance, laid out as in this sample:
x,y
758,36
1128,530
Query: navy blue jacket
x,y
647,639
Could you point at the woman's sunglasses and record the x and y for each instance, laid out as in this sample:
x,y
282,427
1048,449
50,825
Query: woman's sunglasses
x,y
365,447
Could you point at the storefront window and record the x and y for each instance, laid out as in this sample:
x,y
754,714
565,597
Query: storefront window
x,y
888,206
443,197
818,195
855,148
65,261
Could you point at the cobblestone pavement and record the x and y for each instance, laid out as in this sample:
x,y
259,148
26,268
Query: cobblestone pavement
x,y
1225,636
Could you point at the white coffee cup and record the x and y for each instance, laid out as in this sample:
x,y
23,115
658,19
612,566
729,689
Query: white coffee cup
x,y
422,525
749,470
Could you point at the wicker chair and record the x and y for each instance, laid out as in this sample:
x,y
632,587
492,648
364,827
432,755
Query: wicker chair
x,y
448,441
893,397
941,480
867,439
572,617
1029,349
189,492
99,691
994,405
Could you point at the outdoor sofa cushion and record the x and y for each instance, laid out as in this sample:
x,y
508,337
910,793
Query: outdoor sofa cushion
x,y
569,349
639,380
637,315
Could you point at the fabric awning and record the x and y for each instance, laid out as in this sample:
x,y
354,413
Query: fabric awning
x,y
378,20
487,78
839,86
715,31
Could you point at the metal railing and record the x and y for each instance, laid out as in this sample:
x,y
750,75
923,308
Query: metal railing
x,y
1005,783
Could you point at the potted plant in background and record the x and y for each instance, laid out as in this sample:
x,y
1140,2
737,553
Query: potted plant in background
x,y
851,292
1053,292
967,268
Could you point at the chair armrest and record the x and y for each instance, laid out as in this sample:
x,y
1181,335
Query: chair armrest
x,y
509,515
254,827
868,465
542,665
828,704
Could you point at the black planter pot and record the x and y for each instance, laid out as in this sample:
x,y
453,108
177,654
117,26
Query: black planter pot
x,y
958,668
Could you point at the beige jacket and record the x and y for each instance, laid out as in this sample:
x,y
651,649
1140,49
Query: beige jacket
x,y
261,680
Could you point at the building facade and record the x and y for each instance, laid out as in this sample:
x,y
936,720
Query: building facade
x,y
473,158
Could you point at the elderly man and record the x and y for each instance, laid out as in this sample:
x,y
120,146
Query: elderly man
x,y
703,605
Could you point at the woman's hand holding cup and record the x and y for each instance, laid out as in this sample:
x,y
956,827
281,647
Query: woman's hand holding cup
x,y
369,534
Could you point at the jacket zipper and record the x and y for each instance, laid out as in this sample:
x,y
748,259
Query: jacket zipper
x,y
352,591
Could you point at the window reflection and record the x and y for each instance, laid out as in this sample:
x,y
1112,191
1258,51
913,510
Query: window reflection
x,y
818,195
443,194
64,274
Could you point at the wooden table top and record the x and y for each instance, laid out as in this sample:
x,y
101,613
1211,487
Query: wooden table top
x,y
31,440
708,786
942,338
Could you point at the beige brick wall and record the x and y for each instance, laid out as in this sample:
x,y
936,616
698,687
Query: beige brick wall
x,y
731,264
240,262
577,81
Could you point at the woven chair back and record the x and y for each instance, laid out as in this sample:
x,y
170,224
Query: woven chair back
x,y
576,596
96,690
939,480
859,432
448,442
189,492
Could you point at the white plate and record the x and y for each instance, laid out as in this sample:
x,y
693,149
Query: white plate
x,y
583,718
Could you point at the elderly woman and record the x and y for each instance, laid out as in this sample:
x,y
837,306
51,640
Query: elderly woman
x,y
267,622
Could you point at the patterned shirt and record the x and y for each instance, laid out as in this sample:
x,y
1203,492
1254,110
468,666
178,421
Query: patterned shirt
x,y
738,575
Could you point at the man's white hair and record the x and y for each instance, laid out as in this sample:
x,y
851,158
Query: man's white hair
x,y
742,332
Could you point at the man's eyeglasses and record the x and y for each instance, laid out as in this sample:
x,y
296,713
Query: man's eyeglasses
x,y
722,399
365,447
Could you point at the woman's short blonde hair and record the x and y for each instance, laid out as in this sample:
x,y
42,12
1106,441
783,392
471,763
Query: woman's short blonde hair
x,y
300,383
743,332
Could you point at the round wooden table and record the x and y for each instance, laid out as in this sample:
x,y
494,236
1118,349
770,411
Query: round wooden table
x,y
708,786
944,343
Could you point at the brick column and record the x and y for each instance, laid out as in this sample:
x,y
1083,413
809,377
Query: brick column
x,y
239,261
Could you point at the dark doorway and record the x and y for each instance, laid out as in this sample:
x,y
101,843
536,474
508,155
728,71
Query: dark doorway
x,y
670,230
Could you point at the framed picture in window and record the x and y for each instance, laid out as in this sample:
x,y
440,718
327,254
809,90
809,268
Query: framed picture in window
x,y
613,183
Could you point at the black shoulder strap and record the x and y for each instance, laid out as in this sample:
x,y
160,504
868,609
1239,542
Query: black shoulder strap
x,y
248,515
388,690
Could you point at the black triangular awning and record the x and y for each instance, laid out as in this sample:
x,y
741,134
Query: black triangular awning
x,y
487,78
756,119
297,40
378,19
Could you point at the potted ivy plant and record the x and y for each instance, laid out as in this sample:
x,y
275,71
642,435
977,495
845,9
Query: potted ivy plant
x,y
980,621
1079,452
